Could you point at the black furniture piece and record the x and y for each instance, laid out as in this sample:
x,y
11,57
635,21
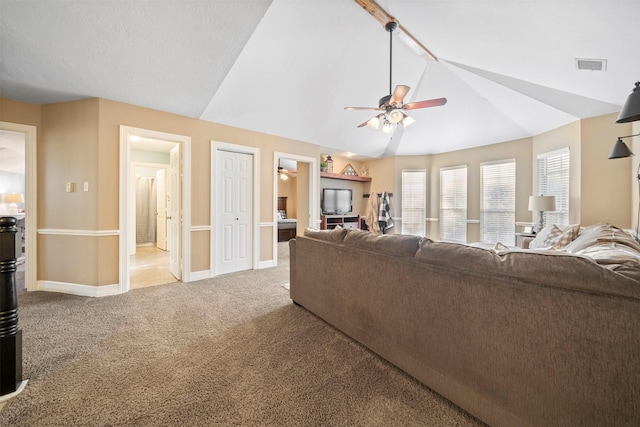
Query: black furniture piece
x,y
10,334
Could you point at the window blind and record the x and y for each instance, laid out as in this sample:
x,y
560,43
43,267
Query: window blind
x,y
414,201
553,180
453,204
498,202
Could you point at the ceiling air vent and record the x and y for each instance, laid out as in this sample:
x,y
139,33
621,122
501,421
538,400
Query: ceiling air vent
x,y
591,64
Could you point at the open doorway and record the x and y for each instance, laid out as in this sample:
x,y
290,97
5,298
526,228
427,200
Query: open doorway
x,y
302,196
18,188
150,250
154,214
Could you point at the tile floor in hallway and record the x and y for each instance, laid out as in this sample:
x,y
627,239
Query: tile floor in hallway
x,y
150,267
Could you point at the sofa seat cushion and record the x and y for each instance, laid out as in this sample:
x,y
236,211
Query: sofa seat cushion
x,y
551,268
393,244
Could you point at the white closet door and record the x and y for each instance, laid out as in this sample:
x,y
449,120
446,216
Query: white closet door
x,y
235,212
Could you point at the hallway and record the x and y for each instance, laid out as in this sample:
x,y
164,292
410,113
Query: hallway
x,y
150,267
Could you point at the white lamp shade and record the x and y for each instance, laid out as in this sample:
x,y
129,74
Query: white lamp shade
x,y
13,198
542,203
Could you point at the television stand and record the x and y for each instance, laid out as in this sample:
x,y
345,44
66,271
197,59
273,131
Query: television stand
x,y
350,221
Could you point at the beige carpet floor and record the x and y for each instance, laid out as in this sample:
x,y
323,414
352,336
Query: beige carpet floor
x,y
233,350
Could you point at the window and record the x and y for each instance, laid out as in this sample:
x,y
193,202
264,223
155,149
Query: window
x,y
553,180
414,203
498,202
453,204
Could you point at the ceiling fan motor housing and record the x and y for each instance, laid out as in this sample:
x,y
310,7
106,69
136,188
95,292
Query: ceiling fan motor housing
x,y
384,101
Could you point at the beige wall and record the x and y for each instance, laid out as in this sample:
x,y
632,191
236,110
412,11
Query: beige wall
x,y
79,141
19,112
605,184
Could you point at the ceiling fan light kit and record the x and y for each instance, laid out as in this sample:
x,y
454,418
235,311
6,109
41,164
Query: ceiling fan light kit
x,y
392,105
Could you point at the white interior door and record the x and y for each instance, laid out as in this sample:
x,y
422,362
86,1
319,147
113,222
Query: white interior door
x,y
174,217
161,209
235,215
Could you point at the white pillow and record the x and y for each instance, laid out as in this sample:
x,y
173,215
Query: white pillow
x,y
554,237
538,241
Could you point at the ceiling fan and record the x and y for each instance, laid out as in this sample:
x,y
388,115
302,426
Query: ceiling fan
x,y
392,107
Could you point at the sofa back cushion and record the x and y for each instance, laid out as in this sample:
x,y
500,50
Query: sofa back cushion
x,y
393,244
336,235
550,268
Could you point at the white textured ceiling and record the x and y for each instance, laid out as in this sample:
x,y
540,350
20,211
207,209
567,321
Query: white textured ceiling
x,y
289,67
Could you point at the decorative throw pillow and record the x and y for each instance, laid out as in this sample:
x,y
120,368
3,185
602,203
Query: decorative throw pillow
x,y
500,247
539,241
559,238
554,237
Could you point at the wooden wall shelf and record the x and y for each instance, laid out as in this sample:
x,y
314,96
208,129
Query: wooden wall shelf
x,y
345,177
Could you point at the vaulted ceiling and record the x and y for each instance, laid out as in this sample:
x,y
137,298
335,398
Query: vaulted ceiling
x,y
289,67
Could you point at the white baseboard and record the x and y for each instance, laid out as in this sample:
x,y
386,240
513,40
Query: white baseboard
x,y
199,275
78,289
267,264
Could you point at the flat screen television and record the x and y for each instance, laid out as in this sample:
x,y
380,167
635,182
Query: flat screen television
x,y
336,201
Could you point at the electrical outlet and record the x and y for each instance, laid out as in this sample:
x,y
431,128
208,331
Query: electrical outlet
x,y
71,187
86,186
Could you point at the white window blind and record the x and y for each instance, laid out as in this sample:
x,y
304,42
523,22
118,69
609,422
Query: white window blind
x,y
553,180
453,204
414,201
498,202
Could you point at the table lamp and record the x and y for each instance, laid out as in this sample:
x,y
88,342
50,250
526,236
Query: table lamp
x,y
13,199
541,204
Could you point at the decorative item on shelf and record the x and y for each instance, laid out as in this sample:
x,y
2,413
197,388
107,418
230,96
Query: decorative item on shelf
x,y
541,204
329,164
349,170
364,170
323,166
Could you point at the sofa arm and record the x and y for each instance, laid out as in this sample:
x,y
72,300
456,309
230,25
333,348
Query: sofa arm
x,y
292,265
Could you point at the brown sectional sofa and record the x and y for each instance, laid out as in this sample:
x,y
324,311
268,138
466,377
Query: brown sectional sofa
x,y
514,338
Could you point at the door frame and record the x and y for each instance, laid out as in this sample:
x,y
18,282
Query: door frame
x,y
126,132
31,200
313,193
243,149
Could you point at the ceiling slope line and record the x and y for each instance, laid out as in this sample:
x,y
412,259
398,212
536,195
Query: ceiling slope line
x,y
573,104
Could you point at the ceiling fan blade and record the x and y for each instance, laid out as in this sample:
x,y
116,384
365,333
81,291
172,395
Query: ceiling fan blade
x,y
425,104
363,124
398,94
362,108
